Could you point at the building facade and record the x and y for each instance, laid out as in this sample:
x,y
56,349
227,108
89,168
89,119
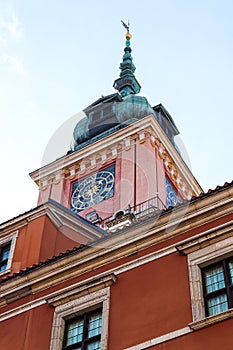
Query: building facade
x,y
124,250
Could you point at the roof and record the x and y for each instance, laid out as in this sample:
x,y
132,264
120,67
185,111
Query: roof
x,y
168,116
79,248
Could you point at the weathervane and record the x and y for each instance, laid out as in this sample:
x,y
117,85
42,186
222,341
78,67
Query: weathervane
x,y
125,25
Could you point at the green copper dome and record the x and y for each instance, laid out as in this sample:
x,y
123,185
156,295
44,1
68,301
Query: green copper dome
x,y
109,114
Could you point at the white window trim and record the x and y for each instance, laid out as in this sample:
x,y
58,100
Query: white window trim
x,y
3,241
196,260
79,305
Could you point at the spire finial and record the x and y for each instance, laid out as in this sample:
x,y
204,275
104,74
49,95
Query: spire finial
x,y
127,35
127,83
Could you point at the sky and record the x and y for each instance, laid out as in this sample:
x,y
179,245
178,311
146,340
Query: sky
x,y
57,57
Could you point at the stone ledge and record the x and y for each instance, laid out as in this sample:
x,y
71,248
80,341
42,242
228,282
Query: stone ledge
x,y
208,321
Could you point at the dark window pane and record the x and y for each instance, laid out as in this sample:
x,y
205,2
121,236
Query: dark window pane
x,y
5,252
217,304
74,332
95,324
3,267
230,264
214,279
84,332
94,346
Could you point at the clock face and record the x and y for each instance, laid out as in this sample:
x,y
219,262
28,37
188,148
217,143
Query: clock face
x,y
172,197
93,189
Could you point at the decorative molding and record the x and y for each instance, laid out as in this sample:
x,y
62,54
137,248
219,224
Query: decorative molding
x,y
139,237
103,158
205,239
43,184
57,178
72,173
127,143
93,163
108,278
67,293
82,167
78,307
142,136
152,140
81,289
208,321
173,171
207,249
144,259
161,339
114,153
137,131
22,308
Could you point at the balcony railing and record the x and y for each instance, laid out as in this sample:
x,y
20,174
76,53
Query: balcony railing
x,y
139,212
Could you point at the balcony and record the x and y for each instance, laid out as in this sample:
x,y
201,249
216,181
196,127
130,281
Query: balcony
x,y
139,212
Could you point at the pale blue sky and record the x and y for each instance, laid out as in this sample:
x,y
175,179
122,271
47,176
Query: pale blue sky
x,y
57,57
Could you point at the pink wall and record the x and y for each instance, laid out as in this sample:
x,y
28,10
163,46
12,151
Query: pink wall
x,y
139,176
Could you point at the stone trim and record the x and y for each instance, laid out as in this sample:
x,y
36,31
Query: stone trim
x,y
145,235
78,287
207,254
81,289
161,339
77,307
22,308
206,238
208,321
145,259
68,293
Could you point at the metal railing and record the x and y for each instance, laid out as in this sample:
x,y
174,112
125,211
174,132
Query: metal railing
x,y
142,210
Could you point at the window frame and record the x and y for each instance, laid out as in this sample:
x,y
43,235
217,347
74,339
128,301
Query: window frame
x,y
205,249
4,241
84,297
227,290
4,261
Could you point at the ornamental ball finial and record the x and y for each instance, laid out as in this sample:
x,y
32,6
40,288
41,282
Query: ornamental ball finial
x,y
128,35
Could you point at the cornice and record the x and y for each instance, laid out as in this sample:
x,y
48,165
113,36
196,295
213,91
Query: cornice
x,y
64,219
109,148
211,320
61,217
125,243
208,237
22,219
81,289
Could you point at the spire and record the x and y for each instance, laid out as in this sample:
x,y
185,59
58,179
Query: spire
x,y
127,83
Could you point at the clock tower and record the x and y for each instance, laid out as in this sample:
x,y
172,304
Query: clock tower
x,y
124,164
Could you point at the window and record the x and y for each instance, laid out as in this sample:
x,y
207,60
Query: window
x,y
172,197
218,287
210,264
81,314
84,333
7,247
4,255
